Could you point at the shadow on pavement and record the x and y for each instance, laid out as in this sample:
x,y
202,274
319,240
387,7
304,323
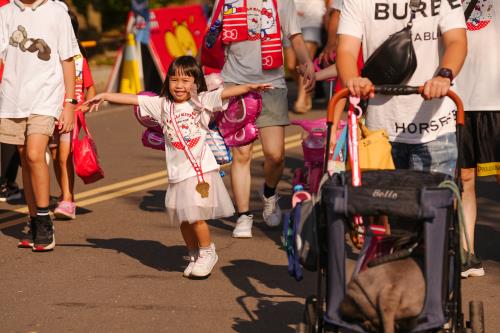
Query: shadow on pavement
x,y
149,253
153,202
15,231
274,313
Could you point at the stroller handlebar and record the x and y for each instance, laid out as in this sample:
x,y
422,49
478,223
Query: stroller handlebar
x,y
396,90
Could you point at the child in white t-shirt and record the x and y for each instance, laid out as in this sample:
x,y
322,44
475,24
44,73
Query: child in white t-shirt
x,y
37,44
60,144
196,192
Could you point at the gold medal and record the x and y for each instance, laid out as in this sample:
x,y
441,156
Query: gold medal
x,y
203,188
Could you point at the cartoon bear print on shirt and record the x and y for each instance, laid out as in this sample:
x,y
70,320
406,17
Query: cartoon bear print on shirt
x,y
19,38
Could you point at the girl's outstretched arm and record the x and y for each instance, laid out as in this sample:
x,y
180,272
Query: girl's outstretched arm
x,y
243,89
95,103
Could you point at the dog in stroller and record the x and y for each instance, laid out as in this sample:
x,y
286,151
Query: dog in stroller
x,y
387,296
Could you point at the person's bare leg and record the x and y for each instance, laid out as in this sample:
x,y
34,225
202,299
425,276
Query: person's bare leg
x,y
189,237
273,146
469,204
67,175
241,177
39,171
202,233
28,189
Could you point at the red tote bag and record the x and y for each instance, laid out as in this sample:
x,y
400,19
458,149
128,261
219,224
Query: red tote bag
x,y
85,153
213,56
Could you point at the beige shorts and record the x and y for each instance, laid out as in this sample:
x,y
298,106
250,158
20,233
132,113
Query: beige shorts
x,y
15,130
274,108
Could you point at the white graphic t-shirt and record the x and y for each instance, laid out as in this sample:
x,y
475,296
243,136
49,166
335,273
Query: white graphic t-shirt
x,y
407,119
479,79
244,59
33,43
192,122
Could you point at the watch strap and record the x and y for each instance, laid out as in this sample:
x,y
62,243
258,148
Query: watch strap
x,y
71,101
447,73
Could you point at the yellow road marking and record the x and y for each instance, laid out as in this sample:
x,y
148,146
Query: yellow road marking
x,y
160,174
290,142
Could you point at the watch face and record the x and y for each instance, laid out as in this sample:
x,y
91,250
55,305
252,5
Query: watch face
x,y
445,72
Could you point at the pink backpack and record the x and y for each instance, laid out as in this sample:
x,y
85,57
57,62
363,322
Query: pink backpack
x,y
237,123
153,139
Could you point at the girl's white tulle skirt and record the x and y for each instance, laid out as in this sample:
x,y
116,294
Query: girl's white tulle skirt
x,y
184,204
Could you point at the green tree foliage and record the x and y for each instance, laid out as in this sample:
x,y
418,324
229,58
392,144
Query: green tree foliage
x,y
114,12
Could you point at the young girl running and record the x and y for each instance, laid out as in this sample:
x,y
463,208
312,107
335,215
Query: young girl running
x,y
60,144
196,191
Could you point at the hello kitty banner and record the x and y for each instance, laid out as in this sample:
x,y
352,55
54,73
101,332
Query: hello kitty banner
x,y
241,22
174,31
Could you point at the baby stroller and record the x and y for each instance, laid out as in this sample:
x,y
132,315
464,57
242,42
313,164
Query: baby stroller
x,y
413,197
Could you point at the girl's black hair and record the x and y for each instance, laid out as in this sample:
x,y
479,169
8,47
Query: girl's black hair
x,y
188,66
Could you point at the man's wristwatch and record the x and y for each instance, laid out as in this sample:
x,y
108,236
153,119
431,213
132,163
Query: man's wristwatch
x,y
71,101
447,73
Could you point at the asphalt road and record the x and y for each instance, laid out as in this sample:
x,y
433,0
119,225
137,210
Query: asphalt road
x,y
118,266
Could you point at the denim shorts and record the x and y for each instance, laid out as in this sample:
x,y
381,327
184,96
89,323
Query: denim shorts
x,y
439,155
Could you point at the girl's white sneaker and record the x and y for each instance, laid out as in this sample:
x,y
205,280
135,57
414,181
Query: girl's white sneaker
x,y
207,258
192,259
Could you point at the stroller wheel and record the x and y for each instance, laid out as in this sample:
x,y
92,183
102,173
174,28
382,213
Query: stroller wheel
x,y
476,313
310,316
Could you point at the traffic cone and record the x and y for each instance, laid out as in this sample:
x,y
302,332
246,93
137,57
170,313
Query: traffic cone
x,y
130,82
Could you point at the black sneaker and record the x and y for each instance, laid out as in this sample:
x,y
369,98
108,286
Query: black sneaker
x,y
29,232
473,268
9,193
45,239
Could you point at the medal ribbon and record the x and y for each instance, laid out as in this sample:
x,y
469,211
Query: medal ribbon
x,y
187,151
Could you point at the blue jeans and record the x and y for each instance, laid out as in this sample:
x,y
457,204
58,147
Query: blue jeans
x,y
439,155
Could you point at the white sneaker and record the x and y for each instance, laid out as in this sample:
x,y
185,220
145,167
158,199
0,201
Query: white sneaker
x,y
192,259
243,228
271,213
207,258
